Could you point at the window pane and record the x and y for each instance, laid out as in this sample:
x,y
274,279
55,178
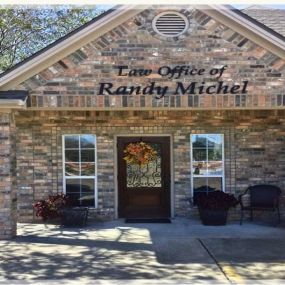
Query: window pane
x,y
71,141
205,185
199,154
72,186
87,155
87,185
199,141
72,169
72,155
201,185
214,154
87,199
215,168
87,141
74,199
88,169
214,141
215,182
199,168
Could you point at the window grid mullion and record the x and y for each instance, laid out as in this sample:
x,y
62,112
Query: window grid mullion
x,y
207,157
207,178
80,190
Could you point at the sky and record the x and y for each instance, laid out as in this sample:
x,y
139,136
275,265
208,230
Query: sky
x,y
238,6
105,4
276,6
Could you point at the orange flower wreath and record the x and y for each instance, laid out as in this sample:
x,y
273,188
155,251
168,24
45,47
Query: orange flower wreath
x,y
139,153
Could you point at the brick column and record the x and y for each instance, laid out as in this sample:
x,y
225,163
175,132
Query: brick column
x,y
8,190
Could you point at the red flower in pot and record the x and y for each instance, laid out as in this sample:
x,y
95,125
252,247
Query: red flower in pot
x,y
213,206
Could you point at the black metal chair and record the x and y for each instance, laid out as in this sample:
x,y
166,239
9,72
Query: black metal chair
x,y
261,198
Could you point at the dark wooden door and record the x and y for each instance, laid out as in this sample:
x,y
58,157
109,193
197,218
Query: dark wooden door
x,y
144,192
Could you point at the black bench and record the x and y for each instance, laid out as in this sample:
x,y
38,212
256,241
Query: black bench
x,y
261,198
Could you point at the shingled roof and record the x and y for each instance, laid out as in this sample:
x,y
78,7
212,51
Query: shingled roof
x,y
15,99
272,18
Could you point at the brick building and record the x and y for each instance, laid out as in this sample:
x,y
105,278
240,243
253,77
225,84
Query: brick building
x,y
203,86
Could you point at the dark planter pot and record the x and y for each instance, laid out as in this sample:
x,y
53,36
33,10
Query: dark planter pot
x,y
212,217
74,217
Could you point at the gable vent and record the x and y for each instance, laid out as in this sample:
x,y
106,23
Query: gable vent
x,y
170,24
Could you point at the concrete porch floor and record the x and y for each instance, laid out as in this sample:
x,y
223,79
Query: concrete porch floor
x,y
183,252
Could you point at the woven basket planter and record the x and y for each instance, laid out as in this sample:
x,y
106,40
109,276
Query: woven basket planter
x,y
74,217
213,217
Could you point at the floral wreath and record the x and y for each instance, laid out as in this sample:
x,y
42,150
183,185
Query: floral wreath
x,y
139,153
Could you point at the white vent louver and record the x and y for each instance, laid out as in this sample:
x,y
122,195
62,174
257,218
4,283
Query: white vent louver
x,y
170,24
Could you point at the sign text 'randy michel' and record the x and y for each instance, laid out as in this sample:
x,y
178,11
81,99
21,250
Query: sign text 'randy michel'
x,y
180,88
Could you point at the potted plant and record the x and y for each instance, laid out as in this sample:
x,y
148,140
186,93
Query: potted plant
x,y
74,216
59,206
49,208
213,207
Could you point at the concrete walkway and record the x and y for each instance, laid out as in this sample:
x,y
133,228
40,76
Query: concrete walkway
x,y
184,252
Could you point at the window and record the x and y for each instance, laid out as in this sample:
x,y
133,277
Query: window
x,y
207,163
79,169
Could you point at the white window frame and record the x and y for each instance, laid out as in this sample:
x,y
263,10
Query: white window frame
x,y
206,176
77,176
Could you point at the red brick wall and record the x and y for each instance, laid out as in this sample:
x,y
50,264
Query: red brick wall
x,y
254,139
73,81
254,149
8,187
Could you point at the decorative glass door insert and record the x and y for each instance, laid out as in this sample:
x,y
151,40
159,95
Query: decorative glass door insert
x,y
147,175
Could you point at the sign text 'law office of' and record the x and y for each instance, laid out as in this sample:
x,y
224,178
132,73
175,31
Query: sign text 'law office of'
x,y
176,73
